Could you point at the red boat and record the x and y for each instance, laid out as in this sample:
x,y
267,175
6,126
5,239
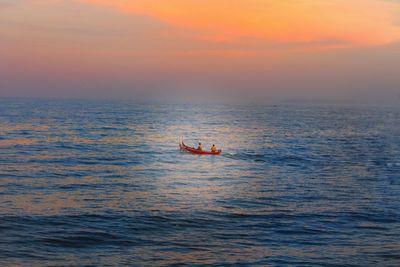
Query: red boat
x,y
196,151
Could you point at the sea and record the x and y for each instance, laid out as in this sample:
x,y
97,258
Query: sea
x,y
103,183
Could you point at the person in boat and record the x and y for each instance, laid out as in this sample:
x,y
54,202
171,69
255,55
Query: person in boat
x,y
200,147
213,148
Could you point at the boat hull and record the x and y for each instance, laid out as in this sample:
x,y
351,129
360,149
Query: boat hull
x,y
196,151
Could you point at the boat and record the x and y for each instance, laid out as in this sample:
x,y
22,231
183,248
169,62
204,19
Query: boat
x,y
196,151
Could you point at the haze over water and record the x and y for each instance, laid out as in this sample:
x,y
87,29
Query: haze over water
x,y
104,183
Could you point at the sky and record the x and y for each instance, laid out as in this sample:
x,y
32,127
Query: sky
x,y
264,48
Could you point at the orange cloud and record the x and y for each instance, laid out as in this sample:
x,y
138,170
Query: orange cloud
x,y
356,22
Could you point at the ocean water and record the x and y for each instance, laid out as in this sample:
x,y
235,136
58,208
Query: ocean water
x,y
103,183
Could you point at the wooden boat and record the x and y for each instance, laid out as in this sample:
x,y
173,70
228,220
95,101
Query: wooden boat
x,y
196,151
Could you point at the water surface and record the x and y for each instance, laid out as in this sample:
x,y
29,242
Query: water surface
x,y
104,183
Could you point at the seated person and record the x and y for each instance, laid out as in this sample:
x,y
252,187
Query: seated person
x,y
200,147
213,148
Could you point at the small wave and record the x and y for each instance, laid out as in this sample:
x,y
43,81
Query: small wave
x,y
79,239
246,156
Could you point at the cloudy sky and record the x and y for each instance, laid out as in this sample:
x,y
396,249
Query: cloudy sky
x,y
274,48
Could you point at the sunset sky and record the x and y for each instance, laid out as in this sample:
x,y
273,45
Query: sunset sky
x,y
277,48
